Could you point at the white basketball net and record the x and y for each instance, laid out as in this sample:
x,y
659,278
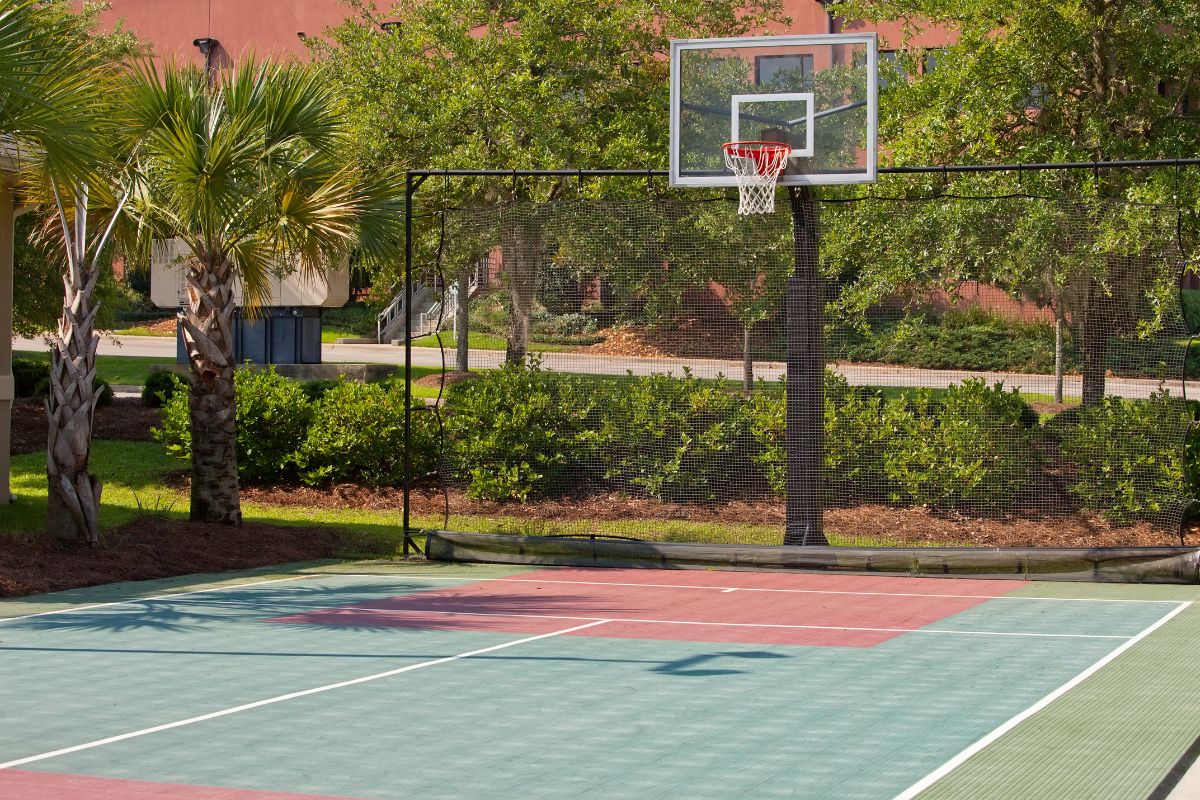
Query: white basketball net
x,y
756,166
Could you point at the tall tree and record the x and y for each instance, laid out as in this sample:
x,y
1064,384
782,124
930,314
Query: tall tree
x,y
55,104
1060,80
248,170
519,84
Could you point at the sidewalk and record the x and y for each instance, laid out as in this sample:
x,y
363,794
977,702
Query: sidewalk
x,y
588,364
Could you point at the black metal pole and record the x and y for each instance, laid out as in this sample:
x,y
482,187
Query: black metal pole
x,y
408,195
805,400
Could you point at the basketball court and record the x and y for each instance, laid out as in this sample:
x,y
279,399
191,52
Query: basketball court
x,y
473,682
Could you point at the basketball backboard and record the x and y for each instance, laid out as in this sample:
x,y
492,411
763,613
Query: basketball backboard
x,y
816,93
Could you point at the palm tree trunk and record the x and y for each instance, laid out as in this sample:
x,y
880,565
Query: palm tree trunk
x,y
208,335
73,507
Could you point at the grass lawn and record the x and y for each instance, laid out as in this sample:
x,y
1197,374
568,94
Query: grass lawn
x,y
488,341
133,475
330,335
141,330
124,370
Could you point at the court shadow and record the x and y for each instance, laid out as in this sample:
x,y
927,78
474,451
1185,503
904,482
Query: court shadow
x,y
687,666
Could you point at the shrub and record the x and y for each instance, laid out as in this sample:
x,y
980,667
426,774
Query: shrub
x,y
1129,456
972,448
518,431
160,387
854,439
971,340
357,434
272,417
678,438
28,373
315,390
571,324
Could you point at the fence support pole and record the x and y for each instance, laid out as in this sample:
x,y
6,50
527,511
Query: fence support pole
x,y
409,188
805,376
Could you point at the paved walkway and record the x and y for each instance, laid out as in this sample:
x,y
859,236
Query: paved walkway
x,y
589,364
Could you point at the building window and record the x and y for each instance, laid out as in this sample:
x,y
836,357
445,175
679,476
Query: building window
x,y
890,69
932,59
770,67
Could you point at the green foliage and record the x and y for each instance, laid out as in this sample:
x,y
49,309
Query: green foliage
x,y
855,439
272,419
967,340
677,438
973,447
519,431
28,375
273,414
1127,456
160,387
315,390
357,434
359,319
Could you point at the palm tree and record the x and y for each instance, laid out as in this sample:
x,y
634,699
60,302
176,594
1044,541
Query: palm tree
x,y
53,98
249,172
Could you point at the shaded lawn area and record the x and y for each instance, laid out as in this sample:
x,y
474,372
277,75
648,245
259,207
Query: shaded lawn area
x,y
122,370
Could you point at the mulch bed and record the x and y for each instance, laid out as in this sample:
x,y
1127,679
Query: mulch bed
x,y
153,547
874,522
124,418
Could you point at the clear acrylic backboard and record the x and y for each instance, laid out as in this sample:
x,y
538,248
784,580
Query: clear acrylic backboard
x,y
817,93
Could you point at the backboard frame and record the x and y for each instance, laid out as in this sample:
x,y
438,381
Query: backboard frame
x,y
867,175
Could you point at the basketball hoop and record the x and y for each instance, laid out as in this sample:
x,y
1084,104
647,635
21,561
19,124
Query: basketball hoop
x,y
757,166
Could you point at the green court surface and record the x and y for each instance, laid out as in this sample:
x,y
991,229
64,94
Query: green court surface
x,y
428,681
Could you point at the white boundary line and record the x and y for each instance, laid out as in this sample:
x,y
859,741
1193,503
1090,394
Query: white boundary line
x,y
386,611
758,589
469,580
135,600
284,697
957,761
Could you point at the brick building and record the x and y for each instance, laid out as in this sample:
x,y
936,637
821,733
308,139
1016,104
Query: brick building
x,y
219,31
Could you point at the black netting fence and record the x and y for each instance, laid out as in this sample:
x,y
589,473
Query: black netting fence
x,y
1000,372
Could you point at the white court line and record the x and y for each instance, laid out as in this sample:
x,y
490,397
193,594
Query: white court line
x,y
757,589
284,697
945,769
136,600
386,611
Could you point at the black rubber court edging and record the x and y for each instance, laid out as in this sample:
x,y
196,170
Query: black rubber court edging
x,y
1176,773
1104,564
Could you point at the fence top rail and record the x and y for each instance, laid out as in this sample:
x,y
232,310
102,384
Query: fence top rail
x,y
418,174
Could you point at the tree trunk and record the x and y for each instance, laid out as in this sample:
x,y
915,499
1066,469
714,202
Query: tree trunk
x,y
1059,365
73,506
208,336
462,321
522,249
747,360
1095,343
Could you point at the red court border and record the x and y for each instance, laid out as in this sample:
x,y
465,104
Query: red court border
x,y
717,607
29,785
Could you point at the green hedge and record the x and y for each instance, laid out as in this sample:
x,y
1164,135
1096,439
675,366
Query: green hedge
x,y
517,431
353,432
357,434
1128,457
